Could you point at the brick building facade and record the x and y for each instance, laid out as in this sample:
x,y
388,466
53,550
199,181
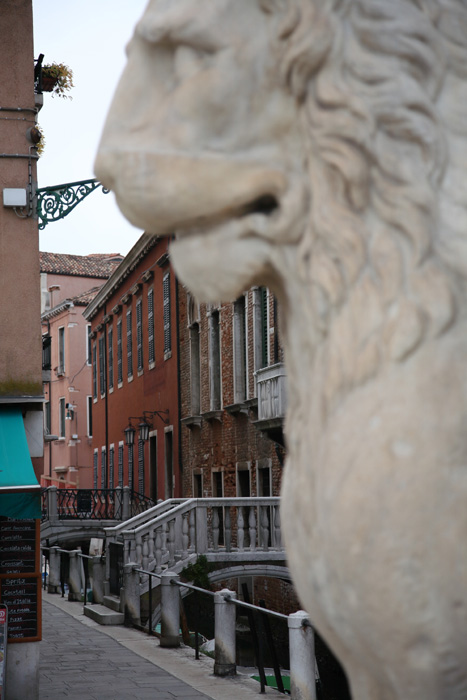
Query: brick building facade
x,y
135,374
221,349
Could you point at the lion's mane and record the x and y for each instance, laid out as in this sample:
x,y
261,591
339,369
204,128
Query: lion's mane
x,y
368,75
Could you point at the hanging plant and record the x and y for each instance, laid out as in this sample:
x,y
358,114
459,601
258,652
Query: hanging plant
x,y
57,78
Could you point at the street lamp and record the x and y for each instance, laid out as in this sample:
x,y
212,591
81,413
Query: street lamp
x,y
144,430
130,435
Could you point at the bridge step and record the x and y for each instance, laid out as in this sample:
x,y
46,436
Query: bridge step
x,y
112,602
103,615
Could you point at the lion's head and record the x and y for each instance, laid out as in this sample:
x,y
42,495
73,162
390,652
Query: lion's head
x,y
318,147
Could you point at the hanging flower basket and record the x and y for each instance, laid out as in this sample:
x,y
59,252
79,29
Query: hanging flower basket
x,y
48,83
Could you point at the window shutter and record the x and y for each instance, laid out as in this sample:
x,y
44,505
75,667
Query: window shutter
x,y
264,327
103,468
111,468
119,352
141,466
151,349
130,467
129,343
166,304
110,339
101,365
95,468
120,465
94,371
139,334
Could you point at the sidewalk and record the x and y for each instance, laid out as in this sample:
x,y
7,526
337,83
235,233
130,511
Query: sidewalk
x,y
81,660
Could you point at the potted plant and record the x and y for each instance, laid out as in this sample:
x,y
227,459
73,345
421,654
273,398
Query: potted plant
x,y
57,78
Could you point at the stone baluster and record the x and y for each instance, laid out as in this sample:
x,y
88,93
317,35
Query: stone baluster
x,y
185,538
171,542
240,529
265,527
145,558
158,550
164,537
151,545
228,530
277,528
252,529
126,550
133,548
192,530
139,550
215,529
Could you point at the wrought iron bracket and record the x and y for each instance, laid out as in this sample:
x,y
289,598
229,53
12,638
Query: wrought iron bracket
x,y
57,201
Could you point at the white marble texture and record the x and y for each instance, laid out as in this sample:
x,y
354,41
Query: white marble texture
x,y
319,147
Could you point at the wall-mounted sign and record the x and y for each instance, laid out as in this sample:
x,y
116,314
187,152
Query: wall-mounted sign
x,y
3,645
20,587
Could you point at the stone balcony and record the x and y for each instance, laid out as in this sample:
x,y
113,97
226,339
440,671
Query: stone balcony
x,y
271,389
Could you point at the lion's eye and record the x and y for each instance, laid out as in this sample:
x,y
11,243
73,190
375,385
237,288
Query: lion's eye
x,y
189,61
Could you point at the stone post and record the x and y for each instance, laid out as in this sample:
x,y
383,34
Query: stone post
x,y
97,575
201,530
74,580
224,632
131,595
52,503
54,570
302,657
126,503
170,610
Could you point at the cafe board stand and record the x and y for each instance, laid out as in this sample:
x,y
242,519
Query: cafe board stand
x,y
20,575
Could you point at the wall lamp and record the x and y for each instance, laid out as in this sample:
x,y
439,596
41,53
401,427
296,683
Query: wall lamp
x,y
144,426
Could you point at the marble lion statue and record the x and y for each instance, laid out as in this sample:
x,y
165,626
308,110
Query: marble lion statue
x,y
320,147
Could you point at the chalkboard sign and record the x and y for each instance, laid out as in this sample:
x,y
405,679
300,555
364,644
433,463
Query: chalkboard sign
x,y
17,546
20,578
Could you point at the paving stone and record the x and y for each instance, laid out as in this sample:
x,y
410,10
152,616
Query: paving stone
x,y
80,663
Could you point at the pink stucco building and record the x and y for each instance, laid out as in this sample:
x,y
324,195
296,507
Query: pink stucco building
x,y
68,284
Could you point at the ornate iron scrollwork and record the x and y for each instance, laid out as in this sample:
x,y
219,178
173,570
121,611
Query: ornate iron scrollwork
x,y
57,201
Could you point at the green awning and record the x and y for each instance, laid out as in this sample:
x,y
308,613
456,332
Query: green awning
x,y
19,489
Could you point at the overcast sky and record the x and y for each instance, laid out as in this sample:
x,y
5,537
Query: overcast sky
x,y
89,36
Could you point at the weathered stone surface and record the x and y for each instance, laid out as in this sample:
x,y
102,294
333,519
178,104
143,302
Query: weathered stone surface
x,y
320,148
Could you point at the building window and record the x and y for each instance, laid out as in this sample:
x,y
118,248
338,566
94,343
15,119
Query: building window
x,y
197,486
102,364
46,352
240,370
139,334
129,343
166,306
61,417
88,344
119,352
120,463
96,457
94,371
214,362
141,466
195,370
218,492
89,415
61,350
110,353
261,327
47,419
130,467
103,468
151,346
111,467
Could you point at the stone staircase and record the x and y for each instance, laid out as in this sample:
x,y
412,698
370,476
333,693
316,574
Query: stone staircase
x,y
107,614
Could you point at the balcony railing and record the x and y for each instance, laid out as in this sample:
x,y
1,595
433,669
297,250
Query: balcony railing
x,y
271,385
